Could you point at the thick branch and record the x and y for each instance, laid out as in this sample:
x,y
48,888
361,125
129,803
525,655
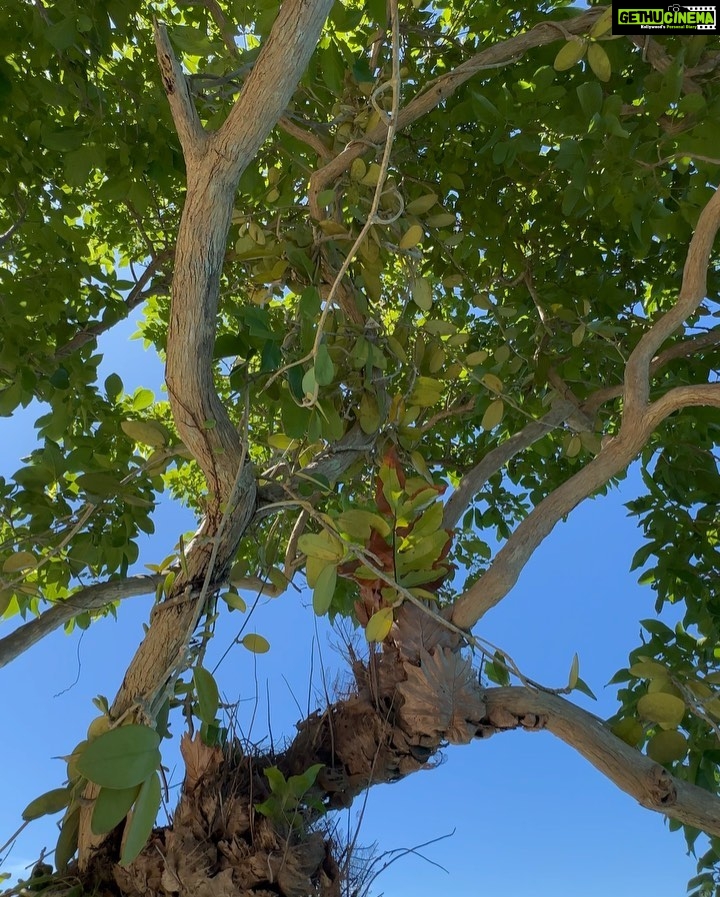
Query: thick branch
x,y
505,569
634,773
683,397
90,598
475,479
214,165
187,121
441,88
612,459
638,422
692,293
683,349
274,77
330,464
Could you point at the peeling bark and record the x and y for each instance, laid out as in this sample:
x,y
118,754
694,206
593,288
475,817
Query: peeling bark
x,y
404,709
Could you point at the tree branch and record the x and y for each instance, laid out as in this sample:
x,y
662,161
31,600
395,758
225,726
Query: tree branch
x,y
475,479
634,773
187,122
683,397
285,123
135,297
692,291
432,94
214,165
660,61
14,227
331,464
638,422
89,598
682,349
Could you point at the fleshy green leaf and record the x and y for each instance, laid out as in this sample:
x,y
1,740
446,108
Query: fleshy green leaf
x,y
569,55
121,758
324,589
256,643
142,819
111,806
379,625
662,708
207,694
51,802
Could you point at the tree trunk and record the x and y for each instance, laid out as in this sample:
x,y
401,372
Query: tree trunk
x,y
412,697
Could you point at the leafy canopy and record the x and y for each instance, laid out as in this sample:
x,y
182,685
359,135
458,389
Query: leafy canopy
x,y
533,220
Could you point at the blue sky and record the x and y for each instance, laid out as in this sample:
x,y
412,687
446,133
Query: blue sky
x,y
530,815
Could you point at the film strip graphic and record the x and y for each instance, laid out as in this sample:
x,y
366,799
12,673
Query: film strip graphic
x,y
677,7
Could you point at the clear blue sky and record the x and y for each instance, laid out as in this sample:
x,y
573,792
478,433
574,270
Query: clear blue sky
x,y
530,816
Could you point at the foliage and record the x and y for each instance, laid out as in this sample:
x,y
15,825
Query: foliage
x,y
409,314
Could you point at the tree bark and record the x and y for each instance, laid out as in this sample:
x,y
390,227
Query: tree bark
x,y
412,697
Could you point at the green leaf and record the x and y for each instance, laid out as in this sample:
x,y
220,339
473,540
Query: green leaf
x,y
496,669
420,465
111,806
582,686
256,643
369,413
569,55
412,236
422,293
422,204
67,841
276,780
659,707
357,524
599,61
429,521
493,415
301,784
324,368
648,669
379,625
142,399
603,24
51,802
442,219
667,747
493,383
148,432
574,672
475,358
121,758
99,484
426,392
322,546
20,561
234,601
207,694
143,818
628,730
324,589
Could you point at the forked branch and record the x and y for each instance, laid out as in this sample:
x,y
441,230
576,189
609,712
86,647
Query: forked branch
x,y
639,420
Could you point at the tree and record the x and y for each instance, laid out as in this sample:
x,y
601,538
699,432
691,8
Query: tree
x,y
388,253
